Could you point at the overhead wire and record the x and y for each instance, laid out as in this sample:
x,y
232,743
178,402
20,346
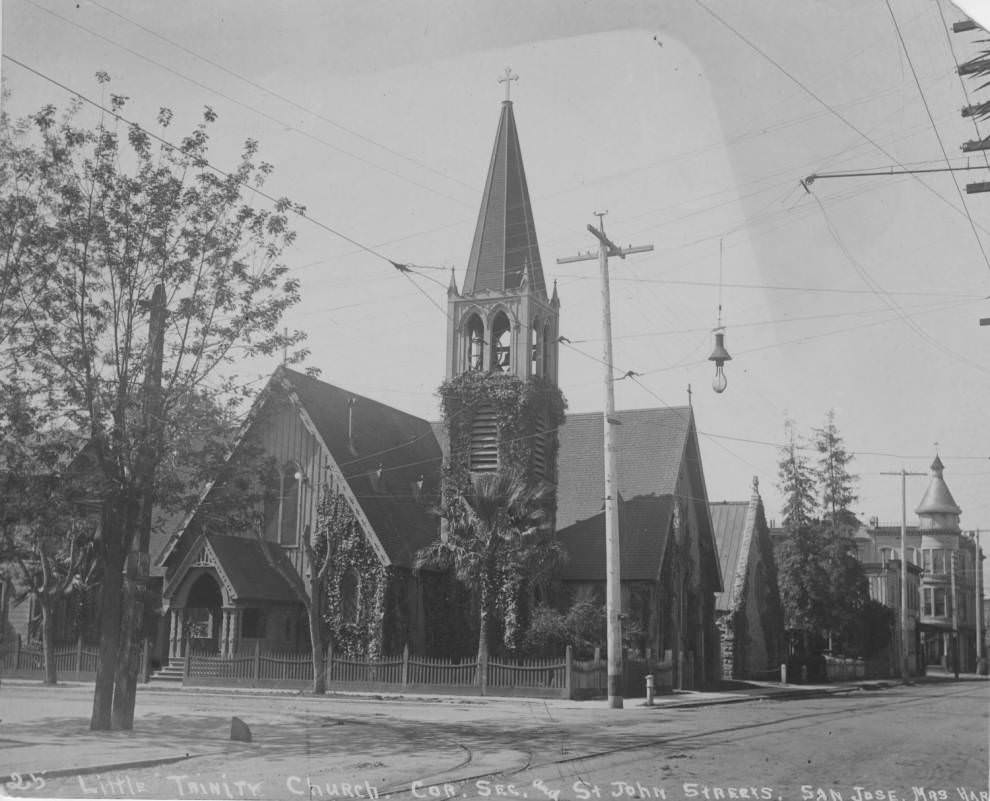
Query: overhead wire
x,y
818,99
405,269
938,136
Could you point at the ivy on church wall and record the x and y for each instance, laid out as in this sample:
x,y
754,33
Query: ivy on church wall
x,y
357,583
522,409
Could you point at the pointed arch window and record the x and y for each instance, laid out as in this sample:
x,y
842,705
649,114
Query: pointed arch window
x,y
545,347
289,513
281,505
475,335
536,366
501,343
350,596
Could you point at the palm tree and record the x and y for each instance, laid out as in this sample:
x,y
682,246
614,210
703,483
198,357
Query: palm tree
x,y
499,520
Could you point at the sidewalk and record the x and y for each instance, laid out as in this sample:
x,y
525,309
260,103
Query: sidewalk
x,y
73,750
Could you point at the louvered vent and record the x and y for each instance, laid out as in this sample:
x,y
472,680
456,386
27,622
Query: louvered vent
x,y
484,440
540,449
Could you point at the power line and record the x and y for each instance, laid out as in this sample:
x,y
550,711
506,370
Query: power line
x,y
281,123
405,269
941,145
811,93
283,98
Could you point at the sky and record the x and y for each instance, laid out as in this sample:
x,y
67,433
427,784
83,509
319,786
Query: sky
x,y
691,123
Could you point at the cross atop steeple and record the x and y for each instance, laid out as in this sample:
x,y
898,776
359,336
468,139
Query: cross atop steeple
x,y
507,79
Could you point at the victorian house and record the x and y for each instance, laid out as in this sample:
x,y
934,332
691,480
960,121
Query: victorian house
x,y
945,568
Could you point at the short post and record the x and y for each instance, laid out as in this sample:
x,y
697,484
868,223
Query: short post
x,y
405,665
568,667
257,660
145,660
649,689
598,653
783,673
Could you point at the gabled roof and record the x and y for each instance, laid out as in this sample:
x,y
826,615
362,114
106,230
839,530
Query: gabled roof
x,y
644,523
731,524
364,435
241,565
505,247
650,444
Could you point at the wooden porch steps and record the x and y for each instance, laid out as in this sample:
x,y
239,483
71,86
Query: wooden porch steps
x,y
170,674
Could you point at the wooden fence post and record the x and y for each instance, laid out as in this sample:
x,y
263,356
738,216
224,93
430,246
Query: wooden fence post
x,y
405,665
79,654
257,660
568,666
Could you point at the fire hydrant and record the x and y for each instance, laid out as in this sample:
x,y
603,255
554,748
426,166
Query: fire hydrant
x,y
649,689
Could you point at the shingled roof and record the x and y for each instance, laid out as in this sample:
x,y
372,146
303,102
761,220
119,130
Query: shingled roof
x,y
650,445
644,523
404,446
505,247
729,523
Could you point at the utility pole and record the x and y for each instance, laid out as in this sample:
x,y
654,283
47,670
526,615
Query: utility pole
x,y
904,626
613,578
955,614
981,664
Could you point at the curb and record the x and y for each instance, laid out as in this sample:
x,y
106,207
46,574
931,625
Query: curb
x,y
56,773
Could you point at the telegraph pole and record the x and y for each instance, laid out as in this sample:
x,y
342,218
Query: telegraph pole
x,y
955,614
613,579
904,626
981,665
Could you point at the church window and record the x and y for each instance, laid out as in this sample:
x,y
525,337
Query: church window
x,y
289,515
475,343
501,343
535,365
350,590
545,346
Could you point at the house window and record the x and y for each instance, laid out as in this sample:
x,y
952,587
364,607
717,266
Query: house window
x,y
350,592
938,561
939,602
252,623
501,343
886,554
929,609
475,342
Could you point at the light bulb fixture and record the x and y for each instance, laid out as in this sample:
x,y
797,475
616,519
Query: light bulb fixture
x,y
720,356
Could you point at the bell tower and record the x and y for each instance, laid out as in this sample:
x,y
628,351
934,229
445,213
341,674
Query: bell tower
x,y
501,402
502,319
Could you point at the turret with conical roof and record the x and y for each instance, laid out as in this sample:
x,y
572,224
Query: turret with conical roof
x,y
938,509
502,319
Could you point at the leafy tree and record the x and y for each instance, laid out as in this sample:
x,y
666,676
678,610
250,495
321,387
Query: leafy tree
x,y
494,529
796,480
822,584
836,484
140,273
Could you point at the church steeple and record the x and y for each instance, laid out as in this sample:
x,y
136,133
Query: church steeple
x,y
502,319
